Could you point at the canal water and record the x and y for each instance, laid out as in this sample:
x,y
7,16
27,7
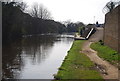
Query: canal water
x,y
35,57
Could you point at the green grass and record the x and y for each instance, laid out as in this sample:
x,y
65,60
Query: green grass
x,y
77,65
106,53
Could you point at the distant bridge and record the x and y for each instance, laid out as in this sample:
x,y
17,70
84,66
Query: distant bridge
x,y
78,37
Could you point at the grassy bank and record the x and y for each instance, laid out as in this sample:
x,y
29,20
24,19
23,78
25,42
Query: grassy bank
x,y
77,65
106,53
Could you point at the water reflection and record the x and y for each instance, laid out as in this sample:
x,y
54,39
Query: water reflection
x,y
37,48
11,60
31,57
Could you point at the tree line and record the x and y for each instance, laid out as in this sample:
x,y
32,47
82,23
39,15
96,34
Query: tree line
x,y
16,23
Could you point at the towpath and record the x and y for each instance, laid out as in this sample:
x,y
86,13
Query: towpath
x,y
107,70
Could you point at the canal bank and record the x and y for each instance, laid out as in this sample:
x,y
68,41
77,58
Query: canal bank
x,y
82,62
77,65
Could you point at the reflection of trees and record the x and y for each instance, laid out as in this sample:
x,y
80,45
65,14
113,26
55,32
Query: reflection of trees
x,y
34,48
37,47
11,60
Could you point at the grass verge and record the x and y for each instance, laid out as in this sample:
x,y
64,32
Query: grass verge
x,y
77,65
106,53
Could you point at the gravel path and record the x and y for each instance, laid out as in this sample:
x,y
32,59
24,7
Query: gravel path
x,y
107,70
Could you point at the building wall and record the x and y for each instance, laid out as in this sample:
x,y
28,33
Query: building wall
x,y
119,29
112,29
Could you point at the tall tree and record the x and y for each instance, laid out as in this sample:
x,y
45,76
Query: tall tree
x,y
22,5
39,11
34,10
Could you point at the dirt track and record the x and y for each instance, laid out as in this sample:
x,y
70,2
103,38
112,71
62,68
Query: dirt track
x,y
107,70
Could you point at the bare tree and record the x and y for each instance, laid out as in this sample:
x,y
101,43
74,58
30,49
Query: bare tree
x,y
44,13
22,5
35,10
39,11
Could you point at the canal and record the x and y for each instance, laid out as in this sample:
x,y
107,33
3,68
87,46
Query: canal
x,y
35,57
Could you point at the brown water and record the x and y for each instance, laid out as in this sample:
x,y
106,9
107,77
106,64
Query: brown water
x,y
35,57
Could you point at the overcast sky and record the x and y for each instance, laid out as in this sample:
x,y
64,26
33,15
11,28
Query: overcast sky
x,y
86,11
